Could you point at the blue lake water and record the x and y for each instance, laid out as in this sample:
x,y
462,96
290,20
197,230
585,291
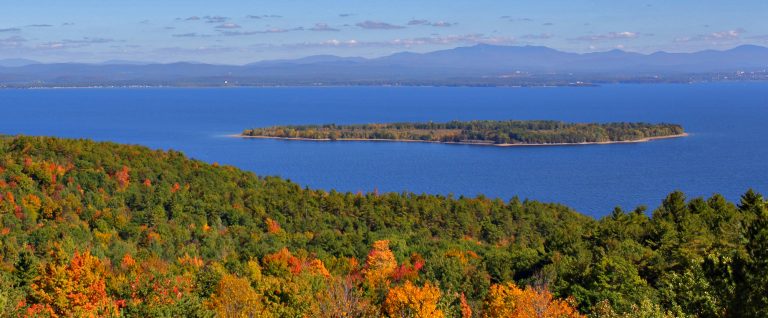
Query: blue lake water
x,y
727,151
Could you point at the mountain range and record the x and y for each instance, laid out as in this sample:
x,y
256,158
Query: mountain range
x,y
480,64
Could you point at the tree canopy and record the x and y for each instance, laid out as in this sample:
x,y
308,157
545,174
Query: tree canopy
x,y
102,229
479,131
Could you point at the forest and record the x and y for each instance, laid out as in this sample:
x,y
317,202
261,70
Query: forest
x,y
91,229
479,131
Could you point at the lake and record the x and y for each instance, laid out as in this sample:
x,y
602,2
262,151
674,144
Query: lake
x,y
726,153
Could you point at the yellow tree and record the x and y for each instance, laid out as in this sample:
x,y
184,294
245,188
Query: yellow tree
x,y
509,301
411,301
380,264
290,283
235,298
76,289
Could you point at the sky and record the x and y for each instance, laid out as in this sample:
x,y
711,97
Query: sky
x,y
241,32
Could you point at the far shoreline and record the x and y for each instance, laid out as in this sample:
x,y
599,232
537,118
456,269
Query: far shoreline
x,y
648,139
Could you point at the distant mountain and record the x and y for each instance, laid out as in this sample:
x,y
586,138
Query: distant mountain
x,y
312,60
16,62
125,62
485,58
475,65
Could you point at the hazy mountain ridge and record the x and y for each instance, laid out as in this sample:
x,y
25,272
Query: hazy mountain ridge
x,y
462,65
16,62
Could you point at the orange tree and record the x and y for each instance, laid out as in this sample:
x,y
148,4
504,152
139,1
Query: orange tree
x,y
509,301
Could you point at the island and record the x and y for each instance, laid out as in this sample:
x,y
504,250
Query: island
x,y
478,132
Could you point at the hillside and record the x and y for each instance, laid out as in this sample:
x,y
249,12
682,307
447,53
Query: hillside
x,y
99,229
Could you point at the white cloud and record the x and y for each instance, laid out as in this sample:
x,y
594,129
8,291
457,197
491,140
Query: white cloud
x,y
466,39
540,36
228,26
610,36
12,42
69,44
714,37
267,31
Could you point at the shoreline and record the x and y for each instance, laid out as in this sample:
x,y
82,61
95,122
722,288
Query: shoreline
x,y
648,139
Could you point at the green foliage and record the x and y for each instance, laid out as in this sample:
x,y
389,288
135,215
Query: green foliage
x,y
479,131
751,268
166,230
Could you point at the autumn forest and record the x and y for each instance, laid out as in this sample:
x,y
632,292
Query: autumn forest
x,y
93,229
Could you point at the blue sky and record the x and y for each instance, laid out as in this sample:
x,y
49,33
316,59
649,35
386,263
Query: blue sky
x,y
237,32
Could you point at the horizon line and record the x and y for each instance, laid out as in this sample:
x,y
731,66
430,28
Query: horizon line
x,y
141,62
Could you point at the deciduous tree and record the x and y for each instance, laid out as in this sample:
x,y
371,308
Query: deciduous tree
x,y
411,301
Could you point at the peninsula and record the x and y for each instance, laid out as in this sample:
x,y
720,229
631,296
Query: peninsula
x,y
480,132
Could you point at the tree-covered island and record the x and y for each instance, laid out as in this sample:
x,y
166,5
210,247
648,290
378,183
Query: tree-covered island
x,y
484,132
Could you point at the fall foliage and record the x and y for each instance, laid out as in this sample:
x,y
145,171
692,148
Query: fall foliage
x,y
123,177
466,310
380,264
187,239
73,289
409,300
235,298
509,301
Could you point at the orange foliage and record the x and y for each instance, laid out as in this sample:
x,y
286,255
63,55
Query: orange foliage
x,y
153,236
175,188
76,289
466,311
147,183
317,267
463,256
31,202
55,171
509,301
410,300
151,283
39,310
123,177
17,211
127,261
380,264
272,226
195,261
353,263
283,260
